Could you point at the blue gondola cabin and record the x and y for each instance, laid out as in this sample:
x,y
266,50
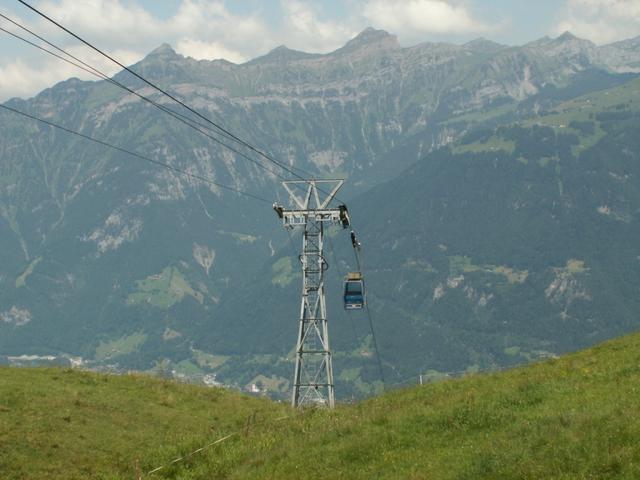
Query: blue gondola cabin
x,y
354,298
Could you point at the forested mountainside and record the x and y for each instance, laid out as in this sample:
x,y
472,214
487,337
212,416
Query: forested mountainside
x,y
514,243
494,189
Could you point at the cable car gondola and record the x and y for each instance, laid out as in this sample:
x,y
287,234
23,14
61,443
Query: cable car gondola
x,y
354,296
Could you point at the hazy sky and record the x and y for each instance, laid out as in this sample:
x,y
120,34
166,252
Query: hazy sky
x,y
239,30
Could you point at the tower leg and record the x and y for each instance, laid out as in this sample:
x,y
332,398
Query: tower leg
x,y
296,375
313,375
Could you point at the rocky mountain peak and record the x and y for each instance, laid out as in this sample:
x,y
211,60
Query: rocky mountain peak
x,y
539,42
568,39
371,38
163,62
164,50
578,51
483,45
281,54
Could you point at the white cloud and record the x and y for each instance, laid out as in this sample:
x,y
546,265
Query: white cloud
x,y
101,20
419,17
199,50
602,21
17,79
118,24
199,29
23,79
209,29
305,30
202,29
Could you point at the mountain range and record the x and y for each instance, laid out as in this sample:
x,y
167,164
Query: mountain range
x,y
494,189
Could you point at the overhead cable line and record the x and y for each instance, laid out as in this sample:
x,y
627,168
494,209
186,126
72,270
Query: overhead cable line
x,y
15,35
341,277
172,97
137,155
357,252
97,73
375,346
94,71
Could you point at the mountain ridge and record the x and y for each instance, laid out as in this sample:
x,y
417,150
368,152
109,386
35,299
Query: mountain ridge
x,y
371,36
129,266
385,41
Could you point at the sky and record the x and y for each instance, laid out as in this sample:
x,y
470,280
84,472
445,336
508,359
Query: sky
x,y
239,30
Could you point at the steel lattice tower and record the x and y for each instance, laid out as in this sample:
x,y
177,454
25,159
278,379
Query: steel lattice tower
x,y
313,374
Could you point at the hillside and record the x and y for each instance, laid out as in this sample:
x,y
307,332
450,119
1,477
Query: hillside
x,y
572,417
114,263
60,423
518,241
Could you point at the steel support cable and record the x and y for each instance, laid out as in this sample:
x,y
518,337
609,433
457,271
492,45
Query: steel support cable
x,y
356,252
375,345
15,35
357,249
172,97
137,155
94,71
340,280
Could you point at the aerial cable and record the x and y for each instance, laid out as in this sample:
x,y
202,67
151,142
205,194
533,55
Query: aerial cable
x,y
93,71
180,117
45,50
137,155
172,97
357,251
340,279
375,346
357,246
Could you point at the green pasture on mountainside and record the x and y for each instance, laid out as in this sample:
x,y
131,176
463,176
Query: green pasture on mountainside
x,y
572,417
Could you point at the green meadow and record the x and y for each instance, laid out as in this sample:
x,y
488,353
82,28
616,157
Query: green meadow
x,y
574,417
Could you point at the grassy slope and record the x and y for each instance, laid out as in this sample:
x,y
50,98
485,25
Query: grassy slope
x,y
574,417
66,424
579,109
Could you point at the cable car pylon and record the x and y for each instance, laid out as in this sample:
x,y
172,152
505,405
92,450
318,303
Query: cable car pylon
x,y
313,373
